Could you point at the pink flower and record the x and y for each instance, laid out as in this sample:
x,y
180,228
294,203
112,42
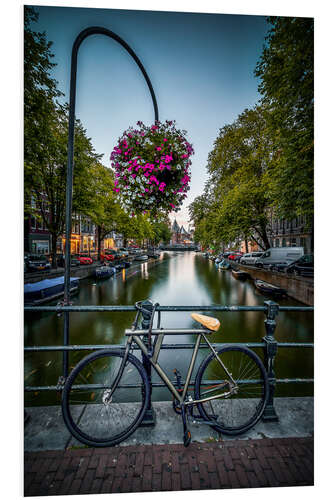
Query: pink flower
x,y
158,148
153,179
162,186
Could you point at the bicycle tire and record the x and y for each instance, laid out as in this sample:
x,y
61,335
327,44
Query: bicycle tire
x,y
92,420
239,412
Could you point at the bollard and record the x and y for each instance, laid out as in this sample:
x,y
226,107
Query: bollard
x,y
269,414
149,416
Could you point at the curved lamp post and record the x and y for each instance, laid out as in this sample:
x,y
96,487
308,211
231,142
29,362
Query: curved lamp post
x,y
94,30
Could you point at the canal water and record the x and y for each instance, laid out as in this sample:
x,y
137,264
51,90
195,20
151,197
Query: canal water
x,y
176,278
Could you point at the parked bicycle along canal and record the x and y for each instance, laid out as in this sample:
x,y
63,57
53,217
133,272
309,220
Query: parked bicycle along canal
x,y
176,278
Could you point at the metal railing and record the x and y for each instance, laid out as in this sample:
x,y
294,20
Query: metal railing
x,y
269,344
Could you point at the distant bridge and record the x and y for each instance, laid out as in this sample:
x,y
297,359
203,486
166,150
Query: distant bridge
x,y
181,248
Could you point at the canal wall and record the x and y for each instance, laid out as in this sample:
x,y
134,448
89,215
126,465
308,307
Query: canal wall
x,y
82,272
297,287
77,272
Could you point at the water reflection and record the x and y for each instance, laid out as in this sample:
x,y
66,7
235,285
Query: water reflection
x,y
183,278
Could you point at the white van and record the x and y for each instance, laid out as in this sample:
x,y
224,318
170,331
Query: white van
x,y
250,258
279,255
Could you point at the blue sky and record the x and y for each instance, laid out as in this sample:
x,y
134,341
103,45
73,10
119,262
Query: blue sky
x,y
200,65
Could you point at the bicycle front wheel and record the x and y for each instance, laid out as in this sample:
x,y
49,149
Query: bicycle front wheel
x,y
235,407
94,414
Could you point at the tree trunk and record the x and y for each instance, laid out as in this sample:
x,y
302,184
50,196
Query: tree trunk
x,y
246,245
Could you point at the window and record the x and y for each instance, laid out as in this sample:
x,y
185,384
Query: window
x,y
266,254
41,246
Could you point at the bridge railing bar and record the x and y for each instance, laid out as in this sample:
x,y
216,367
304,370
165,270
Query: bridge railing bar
x,y
269,344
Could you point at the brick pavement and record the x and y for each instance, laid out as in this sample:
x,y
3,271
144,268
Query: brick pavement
x,y
230,464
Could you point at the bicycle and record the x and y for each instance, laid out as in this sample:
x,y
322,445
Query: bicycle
x,y
107,394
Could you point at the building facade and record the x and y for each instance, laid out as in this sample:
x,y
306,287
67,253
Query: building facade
x,y
83,240
294,233
179,235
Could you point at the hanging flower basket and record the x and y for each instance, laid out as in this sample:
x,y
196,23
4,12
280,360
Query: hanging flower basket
x,y
152,168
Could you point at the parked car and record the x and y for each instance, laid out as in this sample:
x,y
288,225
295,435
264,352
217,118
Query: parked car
x,y
123,252
235,256
84,259
279,255
108,255
302,267
36,262
74,261
111,253
61,261
250,258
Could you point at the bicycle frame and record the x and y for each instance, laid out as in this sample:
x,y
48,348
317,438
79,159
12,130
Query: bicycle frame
x,y
134,335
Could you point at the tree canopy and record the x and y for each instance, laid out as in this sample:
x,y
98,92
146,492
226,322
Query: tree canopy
x,y
235,202
286,70
262,163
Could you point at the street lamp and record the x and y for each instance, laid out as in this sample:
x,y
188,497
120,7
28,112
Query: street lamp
x,y
94,30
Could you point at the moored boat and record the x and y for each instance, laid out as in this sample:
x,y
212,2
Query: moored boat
x,y
265,287
104,272
47,290
141,257
224,265
122,265
153,254
239,275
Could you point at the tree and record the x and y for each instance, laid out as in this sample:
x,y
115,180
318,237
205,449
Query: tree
x,y
236,202
102,207
40,90
161,232
287,82
45,140
47,177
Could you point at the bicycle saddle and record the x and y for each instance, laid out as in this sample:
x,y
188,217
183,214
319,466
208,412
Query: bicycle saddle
x,y
207,321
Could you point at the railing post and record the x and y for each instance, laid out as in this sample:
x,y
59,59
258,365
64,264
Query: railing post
x,y
270,353
149,417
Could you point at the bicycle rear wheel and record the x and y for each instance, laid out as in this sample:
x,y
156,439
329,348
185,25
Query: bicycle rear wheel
x,y
91,413
237,412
